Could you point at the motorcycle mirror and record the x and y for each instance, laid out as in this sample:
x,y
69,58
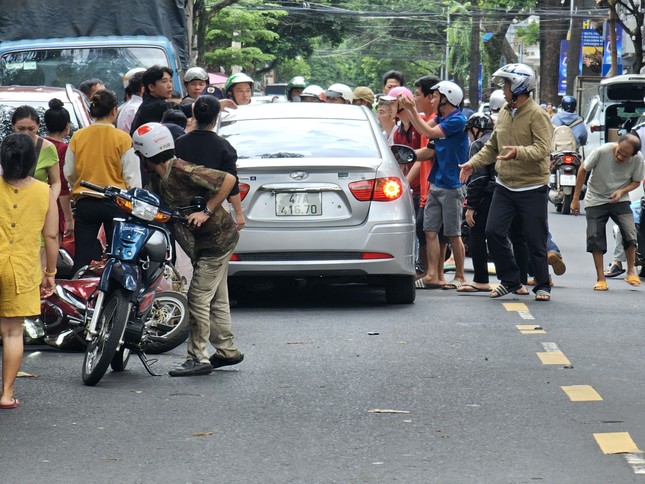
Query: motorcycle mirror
x,y
621,132
198,202
403,154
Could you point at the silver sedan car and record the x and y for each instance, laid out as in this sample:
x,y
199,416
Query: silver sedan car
x,y
323,196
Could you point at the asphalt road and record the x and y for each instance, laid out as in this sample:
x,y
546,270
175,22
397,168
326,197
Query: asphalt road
x,y
477,404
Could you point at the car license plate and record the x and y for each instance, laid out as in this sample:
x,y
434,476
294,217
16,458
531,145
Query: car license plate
x,y
568,180
298,204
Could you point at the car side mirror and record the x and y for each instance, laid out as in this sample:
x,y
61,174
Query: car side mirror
x,y
403,154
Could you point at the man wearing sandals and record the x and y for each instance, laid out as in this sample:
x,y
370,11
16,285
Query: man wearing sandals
x,y
520,147
616,169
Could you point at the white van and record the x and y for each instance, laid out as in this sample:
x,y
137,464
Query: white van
x,y
619,99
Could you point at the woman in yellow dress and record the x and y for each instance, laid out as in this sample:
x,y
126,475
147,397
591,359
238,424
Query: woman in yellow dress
x,y
28,211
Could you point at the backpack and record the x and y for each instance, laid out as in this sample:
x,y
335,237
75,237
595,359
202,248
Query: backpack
x,y
563,139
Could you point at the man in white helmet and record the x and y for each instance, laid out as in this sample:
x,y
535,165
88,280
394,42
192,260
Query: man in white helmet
x,y
496,103
209,238
444,206
339,94
520,147
195,80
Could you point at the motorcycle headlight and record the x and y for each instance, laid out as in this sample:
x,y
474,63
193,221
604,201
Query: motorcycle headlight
x,y
143,210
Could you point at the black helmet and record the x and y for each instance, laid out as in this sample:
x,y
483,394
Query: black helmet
x,y
569,104
481,121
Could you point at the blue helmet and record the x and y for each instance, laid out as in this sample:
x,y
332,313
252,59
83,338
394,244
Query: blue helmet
x,y
569,104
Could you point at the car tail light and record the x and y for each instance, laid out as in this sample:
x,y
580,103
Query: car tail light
x,y
595,128
244,190
378,190
376,255
235,257
568,159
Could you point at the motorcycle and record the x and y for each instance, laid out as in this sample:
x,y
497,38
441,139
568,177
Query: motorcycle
x,y
61,323
564,172
116,312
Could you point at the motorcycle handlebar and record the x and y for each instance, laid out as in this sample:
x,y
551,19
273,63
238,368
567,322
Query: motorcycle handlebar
x,y
92,186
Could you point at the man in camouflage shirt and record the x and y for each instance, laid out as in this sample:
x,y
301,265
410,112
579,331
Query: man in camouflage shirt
x,y
209,239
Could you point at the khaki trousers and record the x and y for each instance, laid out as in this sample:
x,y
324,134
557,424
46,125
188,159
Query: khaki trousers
x,y
210,316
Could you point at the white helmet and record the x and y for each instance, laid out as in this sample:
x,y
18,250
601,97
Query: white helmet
x,y
150,139
497,100
452,91
128,75
195,73
521,77
313,91
340,90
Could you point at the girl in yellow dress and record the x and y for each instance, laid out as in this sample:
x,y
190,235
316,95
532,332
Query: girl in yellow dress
x,y
28,211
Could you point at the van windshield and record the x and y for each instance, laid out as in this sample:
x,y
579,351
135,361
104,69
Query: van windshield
x,y
57,67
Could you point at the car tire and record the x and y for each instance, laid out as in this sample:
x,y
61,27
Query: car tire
x,y
400,290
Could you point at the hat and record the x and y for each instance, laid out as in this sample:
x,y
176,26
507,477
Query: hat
x,y
364,93
396,91
212,90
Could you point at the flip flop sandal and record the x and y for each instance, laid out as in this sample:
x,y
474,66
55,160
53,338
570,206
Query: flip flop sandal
x,y
633,280
601,286
503,290
454,284
15,404
542,295
468,288
614,271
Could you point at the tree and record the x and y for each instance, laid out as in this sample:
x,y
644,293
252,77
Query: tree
x,y
634,9
553,28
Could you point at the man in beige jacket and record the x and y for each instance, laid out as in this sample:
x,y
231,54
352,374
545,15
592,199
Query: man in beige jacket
x,y
520,147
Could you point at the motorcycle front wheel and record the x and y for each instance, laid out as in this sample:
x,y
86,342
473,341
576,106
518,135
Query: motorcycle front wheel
x,y
168,320
101,349
120,360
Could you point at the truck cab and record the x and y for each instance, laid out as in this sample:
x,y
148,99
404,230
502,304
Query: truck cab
x,y
71,60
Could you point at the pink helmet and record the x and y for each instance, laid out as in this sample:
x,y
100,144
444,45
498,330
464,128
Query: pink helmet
x,y
396,91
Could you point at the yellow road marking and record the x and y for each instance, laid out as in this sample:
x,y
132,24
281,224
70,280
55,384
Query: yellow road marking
x,y
516,307
553,358
582,393
530,329
616,443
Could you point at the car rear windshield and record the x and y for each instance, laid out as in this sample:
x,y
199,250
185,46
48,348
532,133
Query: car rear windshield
x,y
57,67
301,138
623,91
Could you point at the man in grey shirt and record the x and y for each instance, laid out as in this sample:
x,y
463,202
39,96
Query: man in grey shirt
x,y
616,169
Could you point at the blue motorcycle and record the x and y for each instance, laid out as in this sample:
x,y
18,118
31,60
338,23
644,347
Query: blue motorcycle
x,y
141,249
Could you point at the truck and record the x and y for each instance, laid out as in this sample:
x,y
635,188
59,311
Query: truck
x,y
60,43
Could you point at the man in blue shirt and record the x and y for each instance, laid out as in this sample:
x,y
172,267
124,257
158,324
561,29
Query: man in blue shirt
x,y
446,198
567,116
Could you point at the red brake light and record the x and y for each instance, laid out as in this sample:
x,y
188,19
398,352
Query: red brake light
x,y
244,190
376,255
235,257
379,190
568,159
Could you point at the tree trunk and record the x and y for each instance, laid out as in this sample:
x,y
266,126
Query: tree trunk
x,y
611,25
473,83
553,29
573,55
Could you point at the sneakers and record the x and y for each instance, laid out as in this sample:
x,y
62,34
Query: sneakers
x,y
555,261
191,368
218,361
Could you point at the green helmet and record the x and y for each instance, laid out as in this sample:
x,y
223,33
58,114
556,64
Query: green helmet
x,y
297,82
238,78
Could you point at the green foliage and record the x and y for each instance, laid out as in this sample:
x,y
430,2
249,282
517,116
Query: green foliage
x,y
529,35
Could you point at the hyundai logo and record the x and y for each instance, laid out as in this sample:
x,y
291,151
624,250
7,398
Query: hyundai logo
x,y
299,175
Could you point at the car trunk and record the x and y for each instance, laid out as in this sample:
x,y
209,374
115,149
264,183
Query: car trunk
x,y
291,194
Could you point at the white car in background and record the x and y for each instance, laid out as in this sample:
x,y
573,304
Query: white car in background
x,y
619,99
323,196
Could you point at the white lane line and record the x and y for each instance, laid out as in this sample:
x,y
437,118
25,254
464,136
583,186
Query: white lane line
x,y
550,347
636,462
525,314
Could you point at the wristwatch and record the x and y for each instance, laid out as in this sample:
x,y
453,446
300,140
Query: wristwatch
x,y
207,211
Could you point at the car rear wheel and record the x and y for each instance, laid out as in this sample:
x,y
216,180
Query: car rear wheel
x,y
400,290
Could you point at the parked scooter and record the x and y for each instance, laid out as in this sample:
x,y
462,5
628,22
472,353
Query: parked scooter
x,y
140,251
563,179
61,323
